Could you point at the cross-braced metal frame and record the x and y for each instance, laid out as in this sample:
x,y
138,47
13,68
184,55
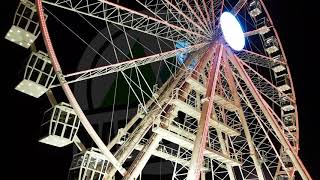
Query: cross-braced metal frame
x,y
221,113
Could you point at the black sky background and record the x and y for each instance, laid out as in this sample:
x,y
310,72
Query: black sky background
x,y
25,158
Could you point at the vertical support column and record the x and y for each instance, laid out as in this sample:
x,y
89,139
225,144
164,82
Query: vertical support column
x,y
271,118
243,121
202,132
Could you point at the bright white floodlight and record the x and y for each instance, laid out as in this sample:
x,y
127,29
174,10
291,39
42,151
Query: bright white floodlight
x,y
232,31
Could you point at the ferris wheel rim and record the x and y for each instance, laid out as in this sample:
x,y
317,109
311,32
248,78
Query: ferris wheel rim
x,y
289,72
64,85
68,92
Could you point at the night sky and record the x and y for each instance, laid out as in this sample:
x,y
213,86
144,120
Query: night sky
x,y
28,159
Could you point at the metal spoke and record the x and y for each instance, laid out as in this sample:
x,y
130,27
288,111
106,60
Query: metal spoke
x,y
100,71
111,12
186,96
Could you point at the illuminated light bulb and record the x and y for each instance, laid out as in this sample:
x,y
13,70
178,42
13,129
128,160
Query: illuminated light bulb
x,y
27,35
29,84
13,40
18,31
232,31
20,43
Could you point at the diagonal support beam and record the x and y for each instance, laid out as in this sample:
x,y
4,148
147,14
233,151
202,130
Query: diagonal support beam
x,y
271,118
202,132
265,130
143,157
242,118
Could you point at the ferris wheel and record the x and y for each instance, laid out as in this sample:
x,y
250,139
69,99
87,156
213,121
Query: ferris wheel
x,y
212,91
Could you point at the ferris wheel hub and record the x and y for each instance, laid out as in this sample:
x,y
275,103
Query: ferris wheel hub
x,y
232,31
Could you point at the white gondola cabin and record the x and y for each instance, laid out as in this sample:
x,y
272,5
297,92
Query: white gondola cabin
x,y
283,83
38,75
25,28
254,8
88,165
60,125
271,45
264,25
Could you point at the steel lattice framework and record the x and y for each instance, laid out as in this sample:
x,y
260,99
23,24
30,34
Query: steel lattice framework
x,y
222,114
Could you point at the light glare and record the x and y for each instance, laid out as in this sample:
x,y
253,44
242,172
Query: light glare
x,y
232,31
